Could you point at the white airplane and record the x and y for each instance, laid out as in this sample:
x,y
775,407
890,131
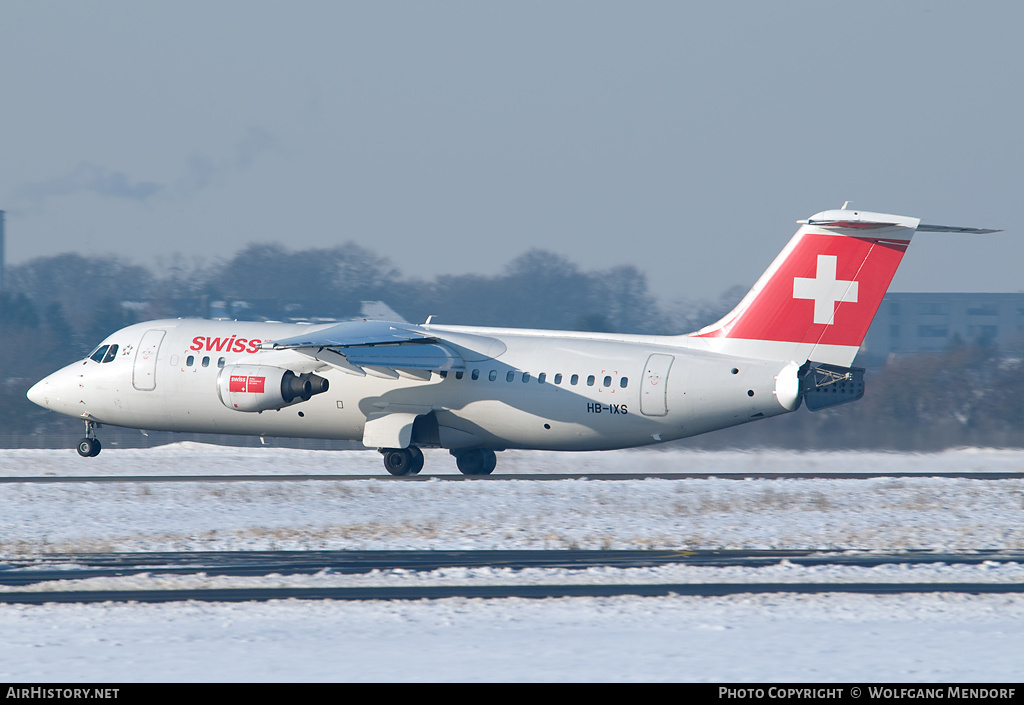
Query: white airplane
x,y
400,387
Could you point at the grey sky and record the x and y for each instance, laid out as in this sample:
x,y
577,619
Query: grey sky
x,y
683,138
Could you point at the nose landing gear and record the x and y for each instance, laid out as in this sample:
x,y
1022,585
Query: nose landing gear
x,y
90,446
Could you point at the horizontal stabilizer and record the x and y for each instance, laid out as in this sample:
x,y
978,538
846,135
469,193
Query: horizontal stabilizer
x,y
954,229
858,220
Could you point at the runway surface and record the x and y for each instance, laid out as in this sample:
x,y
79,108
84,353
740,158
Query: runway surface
x,y
615,477
38,570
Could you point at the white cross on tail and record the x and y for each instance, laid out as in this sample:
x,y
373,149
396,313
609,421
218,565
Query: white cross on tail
x,y
825,289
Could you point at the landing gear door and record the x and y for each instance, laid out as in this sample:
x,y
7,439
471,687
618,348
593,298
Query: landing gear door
x,y
653,397
144,374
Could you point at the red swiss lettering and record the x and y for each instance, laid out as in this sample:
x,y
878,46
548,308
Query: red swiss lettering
x,y
231,344
215,344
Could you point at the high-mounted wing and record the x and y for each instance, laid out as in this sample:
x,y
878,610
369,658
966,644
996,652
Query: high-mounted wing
x,y
355,346
355,333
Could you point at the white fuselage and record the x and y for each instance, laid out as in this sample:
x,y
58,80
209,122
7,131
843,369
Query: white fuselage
x,y
531,389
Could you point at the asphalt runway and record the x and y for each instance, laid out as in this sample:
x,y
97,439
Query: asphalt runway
x,y
40,569
614,477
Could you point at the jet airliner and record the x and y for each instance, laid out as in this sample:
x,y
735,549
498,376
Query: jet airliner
x,y
400,387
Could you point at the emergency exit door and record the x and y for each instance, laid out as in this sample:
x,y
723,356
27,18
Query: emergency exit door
x,y
653,391
144,374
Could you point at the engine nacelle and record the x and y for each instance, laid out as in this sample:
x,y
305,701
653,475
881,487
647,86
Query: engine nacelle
x,y
264,387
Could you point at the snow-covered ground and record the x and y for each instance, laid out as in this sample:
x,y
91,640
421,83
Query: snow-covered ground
x,y
831,637
201,459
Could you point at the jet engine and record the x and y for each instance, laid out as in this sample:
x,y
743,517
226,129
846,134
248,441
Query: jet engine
x,y
264,387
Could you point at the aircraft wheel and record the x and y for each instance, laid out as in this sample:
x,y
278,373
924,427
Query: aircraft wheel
x,y
417,460
476,462
89,447
401,461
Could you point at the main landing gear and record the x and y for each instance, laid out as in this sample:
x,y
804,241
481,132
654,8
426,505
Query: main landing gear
x,y
409,461
403,461
89,447
477,461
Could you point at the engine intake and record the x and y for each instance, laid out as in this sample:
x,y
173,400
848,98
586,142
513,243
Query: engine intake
x,y
264,387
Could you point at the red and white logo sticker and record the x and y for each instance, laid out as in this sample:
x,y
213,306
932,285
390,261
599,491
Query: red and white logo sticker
x,y
825,289
245,383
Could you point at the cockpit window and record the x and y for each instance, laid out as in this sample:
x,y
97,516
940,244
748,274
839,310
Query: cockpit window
x,y
98,353
111,354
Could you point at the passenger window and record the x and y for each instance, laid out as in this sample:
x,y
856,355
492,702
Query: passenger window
x,y
220,363
558,378
590,381
475,375
624,382
206,361
607,381
443,374
574,380
542,376
98,354
526,377
190,360
492,375
458,375
510,376
111,354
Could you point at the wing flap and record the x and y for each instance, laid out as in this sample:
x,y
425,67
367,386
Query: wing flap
x,y
421,356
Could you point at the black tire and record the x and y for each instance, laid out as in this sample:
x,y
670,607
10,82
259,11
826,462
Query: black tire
x,y
417,460
399,461
88,447
476,462
96,447
490,462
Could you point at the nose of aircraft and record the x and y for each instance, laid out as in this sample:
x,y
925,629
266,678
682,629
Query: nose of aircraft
x,y
53,391
37,393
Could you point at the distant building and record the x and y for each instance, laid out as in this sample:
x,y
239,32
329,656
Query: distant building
x,y
911,323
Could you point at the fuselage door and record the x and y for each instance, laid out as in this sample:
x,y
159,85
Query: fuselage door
x,y
144,374
653,399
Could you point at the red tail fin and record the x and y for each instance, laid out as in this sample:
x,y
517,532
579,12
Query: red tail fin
x,y
818,298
